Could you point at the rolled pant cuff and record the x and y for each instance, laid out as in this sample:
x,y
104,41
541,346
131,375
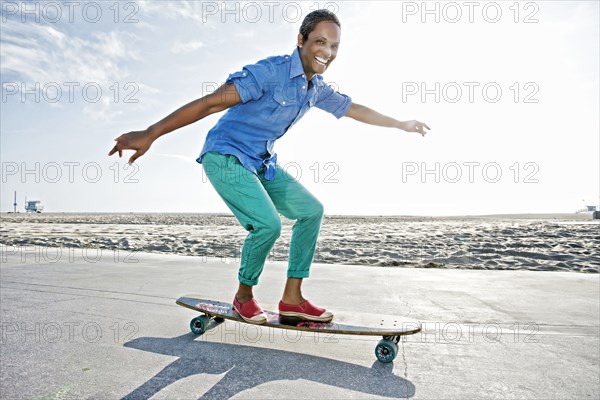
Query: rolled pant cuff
x,y
248,282
298,274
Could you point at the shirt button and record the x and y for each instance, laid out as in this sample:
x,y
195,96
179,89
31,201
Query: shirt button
x,y
303,87
283,102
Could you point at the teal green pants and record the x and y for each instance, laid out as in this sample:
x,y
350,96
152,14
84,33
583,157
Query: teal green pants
x,y
257,203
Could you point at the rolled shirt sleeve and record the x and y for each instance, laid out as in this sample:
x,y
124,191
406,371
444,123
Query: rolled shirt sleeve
x,y
332,101
249,82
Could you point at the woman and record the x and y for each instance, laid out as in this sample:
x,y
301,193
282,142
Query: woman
x,y
263,101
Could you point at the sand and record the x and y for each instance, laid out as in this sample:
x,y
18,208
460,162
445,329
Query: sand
x,y
555,242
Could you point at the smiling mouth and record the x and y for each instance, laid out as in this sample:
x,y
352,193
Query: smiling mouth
x,y
321,61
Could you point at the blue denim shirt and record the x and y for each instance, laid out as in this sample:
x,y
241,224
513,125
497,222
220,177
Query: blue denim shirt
x,y
274,95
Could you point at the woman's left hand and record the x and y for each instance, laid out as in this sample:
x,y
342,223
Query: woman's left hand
x,y
415,126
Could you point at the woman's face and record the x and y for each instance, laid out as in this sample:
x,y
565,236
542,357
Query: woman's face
x,y
320,49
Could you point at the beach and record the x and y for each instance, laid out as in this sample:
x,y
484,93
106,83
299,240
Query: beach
x,y
551,242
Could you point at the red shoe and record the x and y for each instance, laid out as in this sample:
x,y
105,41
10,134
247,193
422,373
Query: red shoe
x,y
250,311
306,311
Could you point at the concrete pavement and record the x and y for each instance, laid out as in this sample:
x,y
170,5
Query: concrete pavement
x,y
104,325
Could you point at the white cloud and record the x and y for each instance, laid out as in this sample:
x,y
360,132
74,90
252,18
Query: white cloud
x,y
250,34
171,10
186,47
42,56
39,53
103,110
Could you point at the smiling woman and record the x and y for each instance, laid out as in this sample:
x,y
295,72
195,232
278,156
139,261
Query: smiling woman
x,y
319,42
263,101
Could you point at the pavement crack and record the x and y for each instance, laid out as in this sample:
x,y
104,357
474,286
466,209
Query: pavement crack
x,y
407,304
404,359
405,363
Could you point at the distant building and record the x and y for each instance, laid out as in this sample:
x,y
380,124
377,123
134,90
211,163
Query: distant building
x,y
587,209
33,206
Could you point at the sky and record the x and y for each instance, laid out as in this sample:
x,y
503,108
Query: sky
x,y
509,89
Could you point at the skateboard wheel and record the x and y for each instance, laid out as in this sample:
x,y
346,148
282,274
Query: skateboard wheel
x,y
198,325
386,351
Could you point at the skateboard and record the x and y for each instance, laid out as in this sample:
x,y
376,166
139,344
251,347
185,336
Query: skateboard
x,y
386,350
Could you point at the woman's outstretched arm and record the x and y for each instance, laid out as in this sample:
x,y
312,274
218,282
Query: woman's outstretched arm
x,y
372,117
221,99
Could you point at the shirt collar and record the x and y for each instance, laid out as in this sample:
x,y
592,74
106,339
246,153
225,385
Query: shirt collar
x,y
296,68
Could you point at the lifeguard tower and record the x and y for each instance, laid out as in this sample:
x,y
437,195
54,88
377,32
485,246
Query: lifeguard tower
x,y
33,206
593,210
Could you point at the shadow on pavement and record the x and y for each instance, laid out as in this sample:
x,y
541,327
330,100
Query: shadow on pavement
x,y
245,367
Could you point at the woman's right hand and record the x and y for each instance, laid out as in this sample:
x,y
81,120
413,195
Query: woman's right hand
x,y
140,141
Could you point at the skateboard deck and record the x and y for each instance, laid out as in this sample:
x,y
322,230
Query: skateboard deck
x,y
391,330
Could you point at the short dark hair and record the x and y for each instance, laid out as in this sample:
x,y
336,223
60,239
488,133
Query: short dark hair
x,y
312,19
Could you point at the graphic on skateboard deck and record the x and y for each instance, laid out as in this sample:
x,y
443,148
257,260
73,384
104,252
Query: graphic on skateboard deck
x,y
385,351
